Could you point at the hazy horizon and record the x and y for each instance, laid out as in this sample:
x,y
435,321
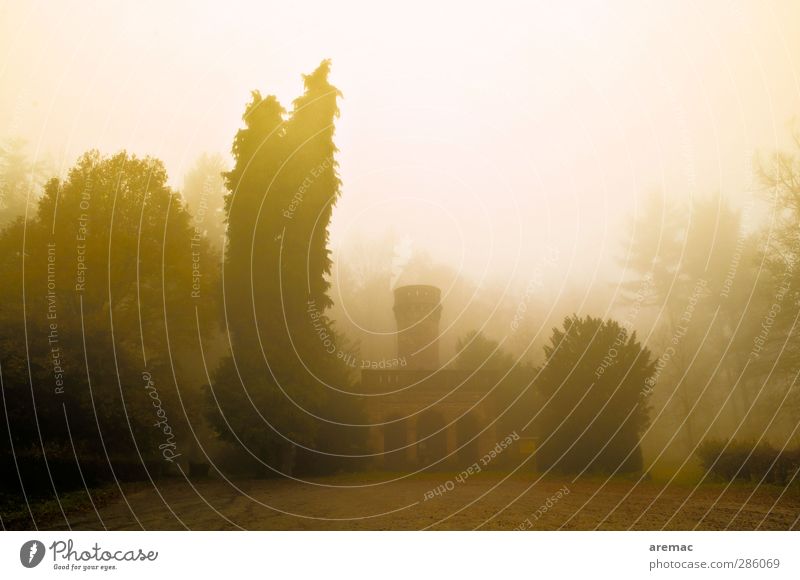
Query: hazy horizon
x,y
561,142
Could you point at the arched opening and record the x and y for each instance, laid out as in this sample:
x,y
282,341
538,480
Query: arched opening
x,y
467,429
394,442
431,445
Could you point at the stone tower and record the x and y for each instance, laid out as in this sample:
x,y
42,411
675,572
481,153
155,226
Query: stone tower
x,y
417,310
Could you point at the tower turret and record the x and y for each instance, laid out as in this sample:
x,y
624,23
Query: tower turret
x,y
417,310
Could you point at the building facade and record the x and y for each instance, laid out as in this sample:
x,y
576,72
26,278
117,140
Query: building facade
x,y
425,416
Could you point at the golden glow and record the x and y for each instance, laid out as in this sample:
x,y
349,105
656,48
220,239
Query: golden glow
x,y
566,115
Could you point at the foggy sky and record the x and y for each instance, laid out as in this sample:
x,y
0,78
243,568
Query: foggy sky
x,y
485,132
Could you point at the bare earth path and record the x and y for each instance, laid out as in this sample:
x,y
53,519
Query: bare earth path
x,y
344,503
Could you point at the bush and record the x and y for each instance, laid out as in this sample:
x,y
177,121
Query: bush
x,y
594,398
748,461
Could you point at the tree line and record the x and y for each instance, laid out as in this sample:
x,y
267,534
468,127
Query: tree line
x,y
143,329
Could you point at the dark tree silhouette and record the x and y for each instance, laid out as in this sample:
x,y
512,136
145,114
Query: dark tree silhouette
x,y
594,389
99,282
476,351
278,392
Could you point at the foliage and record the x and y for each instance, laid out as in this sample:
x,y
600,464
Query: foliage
x,y
281,388
20,181
204,192
96,302
594,394
749,461
476,351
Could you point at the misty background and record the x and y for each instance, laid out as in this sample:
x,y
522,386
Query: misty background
x,y
523,160
484,133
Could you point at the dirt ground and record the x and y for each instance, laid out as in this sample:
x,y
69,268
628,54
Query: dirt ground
x,y
483,501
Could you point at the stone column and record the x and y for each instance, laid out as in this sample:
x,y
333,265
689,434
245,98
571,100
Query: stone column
x,y
488,439
376,443
452,439
411,438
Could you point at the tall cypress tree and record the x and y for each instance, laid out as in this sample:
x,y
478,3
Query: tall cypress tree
x,y
313,170
251,208
282,190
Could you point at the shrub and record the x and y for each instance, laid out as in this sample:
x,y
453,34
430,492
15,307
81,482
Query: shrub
x,y
748,461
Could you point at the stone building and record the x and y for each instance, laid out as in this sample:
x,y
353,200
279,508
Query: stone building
x,y
424,415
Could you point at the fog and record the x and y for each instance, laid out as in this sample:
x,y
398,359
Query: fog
x,y
605,194
483,132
